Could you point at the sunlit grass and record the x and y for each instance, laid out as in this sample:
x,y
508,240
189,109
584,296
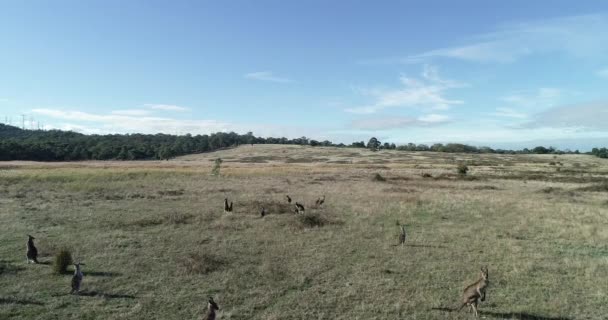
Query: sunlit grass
x,y
156,242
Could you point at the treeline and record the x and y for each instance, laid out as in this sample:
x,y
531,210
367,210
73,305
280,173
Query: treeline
x,y
57,145
600,152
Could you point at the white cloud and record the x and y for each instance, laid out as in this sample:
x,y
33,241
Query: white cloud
x,y
131,112
399,122
509,113
581,36
266,76
603,73
434,118
166,107
131,123
591,116
543,97
426,93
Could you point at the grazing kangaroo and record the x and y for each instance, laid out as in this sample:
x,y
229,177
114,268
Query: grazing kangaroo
x,y
211,308
402,235
32,252
227,208
77,278
263,213
288,198
320,201
475,292
299,208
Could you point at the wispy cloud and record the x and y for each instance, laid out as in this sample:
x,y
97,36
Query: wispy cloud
x,y
266,76
590,116
603,73
131,112
399,122
166,107
131,122
581,36
509,113
426,93
543,97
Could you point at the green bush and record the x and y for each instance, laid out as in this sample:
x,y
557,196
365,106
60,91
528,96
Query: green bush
x,y
379,177
311,220
63,259
462,169
216,167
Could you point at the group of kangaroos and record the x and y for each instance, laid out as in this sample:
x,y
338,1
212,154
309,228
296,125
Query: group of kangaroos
x,y
471,295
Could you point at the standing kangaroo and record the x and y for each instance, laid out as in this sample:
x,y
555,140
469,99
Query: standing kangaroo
x,y
211,308
77,278
32,252
227,208
402,235
475,292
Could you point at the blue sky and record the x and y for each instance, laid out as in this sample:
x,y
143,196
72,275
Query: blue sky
x,y
510,74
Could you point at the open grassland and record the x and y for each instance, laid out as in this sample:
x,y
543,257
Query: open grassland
x,y
157,243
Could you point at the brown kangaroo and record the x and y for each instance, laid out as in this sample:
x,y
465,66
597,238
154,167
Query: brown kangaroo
x,y
475,292
211,307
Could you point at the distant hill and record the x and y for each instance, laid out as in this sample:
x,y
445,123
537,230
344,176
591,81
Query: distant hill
x,y
57,145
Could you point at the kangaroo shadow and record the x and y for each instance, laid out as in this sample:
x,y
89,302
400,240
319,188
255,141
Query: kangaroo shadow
x,y
443,309
520,316
507,315
424,246
20,301
105,295
102,274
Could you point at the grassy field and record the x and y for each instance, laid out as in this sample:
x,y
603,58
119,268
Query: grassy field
x,y
157,243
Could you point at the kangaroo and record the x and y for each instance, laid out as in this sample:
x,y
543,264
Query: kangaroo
x,y
320,201
288,198
402,235
263,213
299,208
475,292
32,252
227,208
211,308
77,278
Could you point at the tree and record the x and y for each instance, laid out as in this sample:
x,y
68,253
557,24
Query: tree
x,y
373,144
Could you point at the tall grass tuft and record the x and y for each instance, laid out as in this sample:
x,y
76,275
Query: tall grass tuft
x,y
311,220
462,169
379,177
63,259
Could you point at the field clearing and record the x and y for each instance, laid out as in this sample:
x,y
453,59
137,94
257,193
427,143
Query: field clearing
x,y
157,243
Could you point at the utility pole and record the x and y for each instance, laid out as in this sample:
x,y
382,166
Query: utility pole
x,y
23,122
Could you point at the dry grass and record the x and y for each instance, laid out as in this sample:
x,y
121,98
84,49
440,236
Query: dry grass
x,y
157,243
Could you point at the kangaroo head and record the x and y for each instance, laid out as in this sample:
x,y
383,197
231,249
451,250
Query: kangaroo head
x,y
30,237
484,272
212,305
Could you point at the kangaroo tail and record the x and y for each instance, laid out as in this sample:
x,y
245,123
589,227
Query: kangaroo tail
x,y
461,306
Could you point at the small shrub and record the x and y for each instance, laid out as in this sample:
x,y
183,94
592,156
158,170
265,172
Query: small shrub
x,y
552,163
311,220
63,259
462,169
216,167
427,175
379,177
